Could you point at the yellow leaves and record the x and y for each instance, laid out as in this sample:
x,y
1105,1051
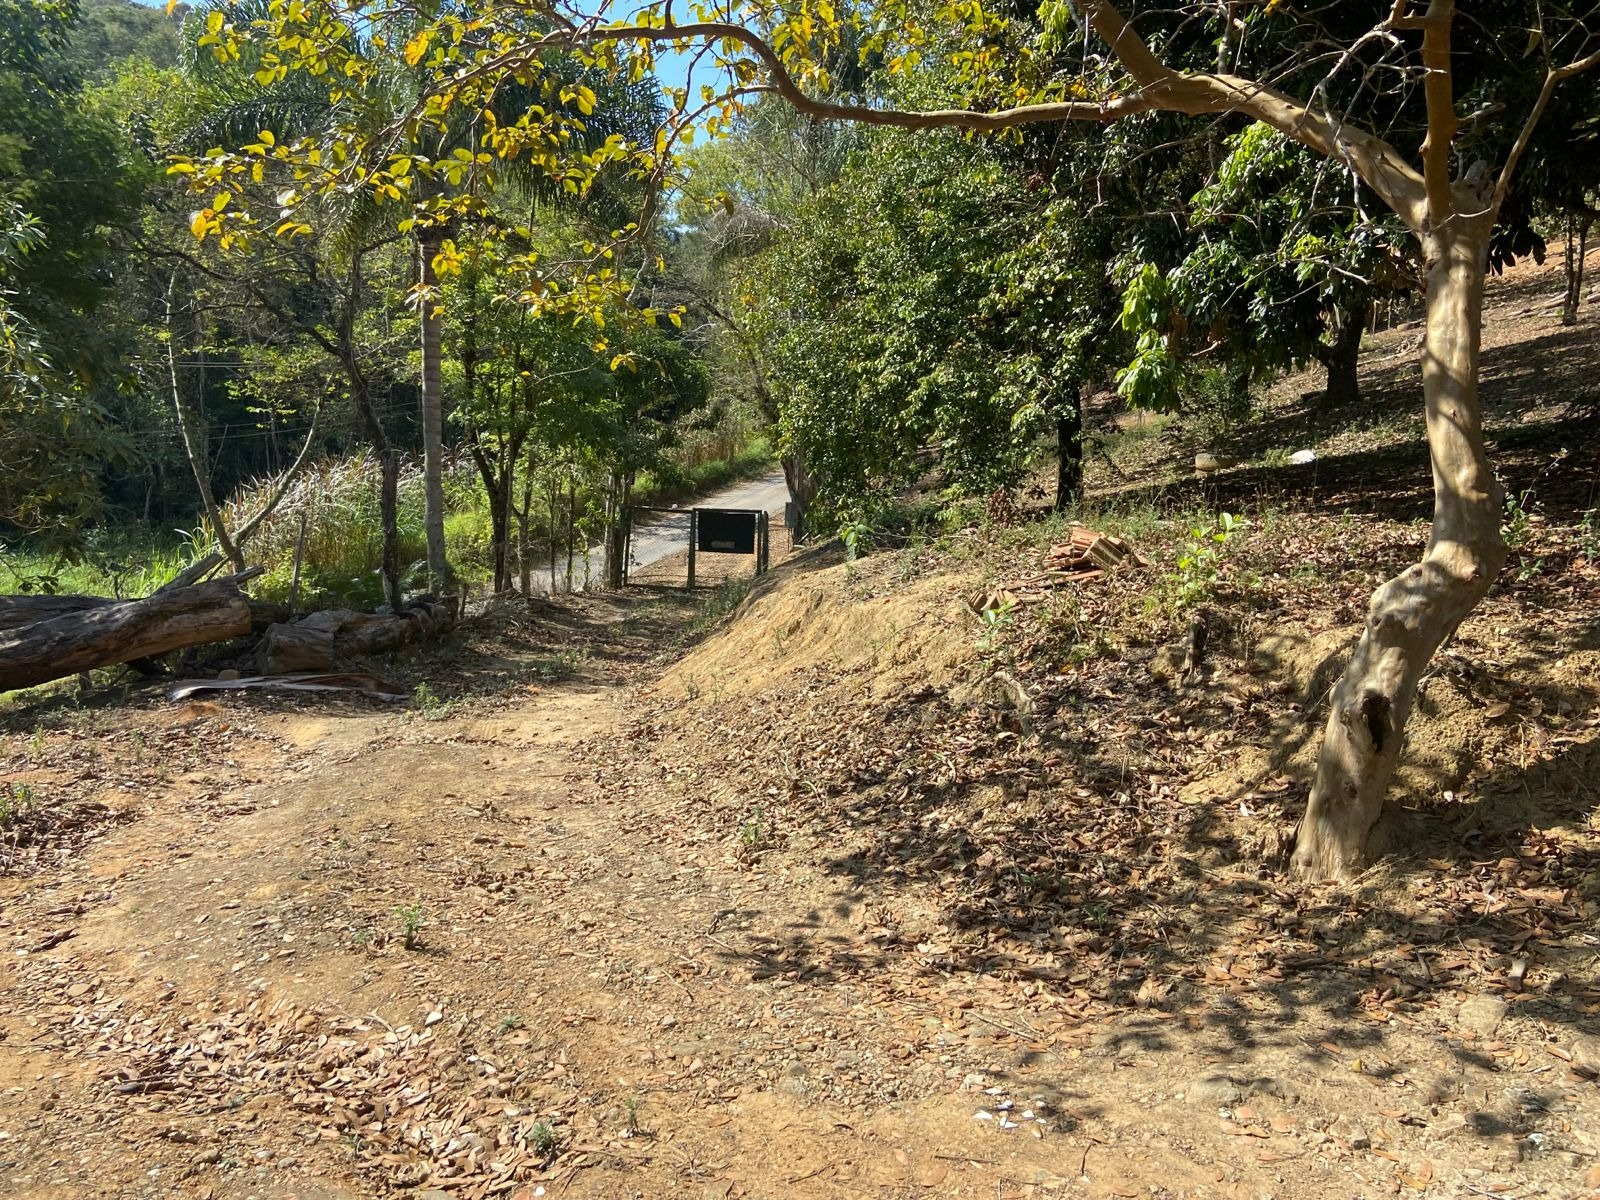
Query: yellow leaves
x,y
201,223
581,96
417,47
449,259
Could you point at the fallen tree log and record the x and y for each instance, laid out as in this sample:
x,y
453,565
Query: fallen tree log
x,y
325,640
118,632
17,611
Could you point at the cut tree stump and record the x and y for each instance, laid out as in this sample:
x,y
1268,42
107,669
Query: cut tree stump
x,y
118,632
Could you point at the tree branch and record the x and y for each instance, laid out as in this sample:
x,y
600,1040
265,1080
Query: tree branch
x,y
1439,94
1553,77
1160,89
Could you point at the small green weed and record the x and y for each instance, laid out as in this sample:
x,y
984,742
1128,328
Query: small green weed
x,y
630,1108
411,923
1200,565
994,618
727,597
856,535
17,804
753,835
1588,535
509,1023
430,704
1096,913
542,1139
1521,511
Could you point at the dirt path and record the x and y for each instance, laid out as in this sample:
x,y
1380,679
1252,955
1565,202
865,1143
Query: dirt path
x,y
622,986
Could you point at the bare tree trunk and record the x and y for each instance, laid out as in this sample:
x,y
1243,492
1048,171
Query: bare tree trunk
x,y
1577,249
193,436
551,498
500,533
616,528
117,633
1411,615
572,506
389,518
441,579
524,530
1069,452
1341,355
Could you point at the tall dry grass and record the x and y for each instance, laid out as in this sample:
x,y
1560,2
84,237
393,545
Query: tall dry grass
x,y
344,537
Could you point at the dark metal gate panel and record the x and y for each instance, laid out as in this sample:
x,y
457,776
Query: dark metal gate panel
x,y
719,531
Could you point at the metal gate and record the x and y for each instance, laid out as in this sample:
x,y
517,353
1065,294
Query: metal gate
x,y
666,545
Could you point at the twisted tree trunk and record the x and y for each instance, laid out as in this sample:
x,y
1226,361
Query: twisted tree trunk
x,y
1411,615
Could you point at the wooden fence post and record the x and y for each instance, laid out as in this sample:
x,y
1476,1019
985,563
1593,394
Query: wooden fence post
x,y
694,530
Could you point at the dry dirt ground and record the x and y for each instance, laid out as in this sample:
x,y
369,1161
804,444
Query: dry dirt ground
x,y
850,896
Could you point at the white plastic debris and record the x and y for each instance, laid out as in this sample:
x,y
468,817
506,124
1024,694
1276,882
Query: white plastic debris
x,y
1301,457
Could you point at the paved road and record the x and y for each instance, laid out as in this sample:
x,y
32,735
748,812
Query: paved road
x,y
664,536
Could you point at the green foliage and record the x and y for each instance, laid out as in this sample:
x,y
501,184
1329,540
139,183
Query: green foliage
x,y
753,835
856,535
1278,251
65,185
542,1140
932,308
411,923
1521,511
1200,563
430,704
343,549
994,618
17,804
